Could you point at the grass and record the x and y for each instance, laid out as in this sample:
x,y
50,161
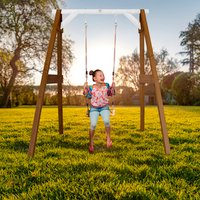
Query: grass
x,y
135,168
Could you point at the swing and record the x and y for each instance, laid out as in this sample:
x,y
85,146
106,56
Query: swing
x,y
112,110
58,79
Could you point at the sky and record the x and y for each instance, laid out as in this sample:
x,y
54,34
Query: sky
x,y
166,19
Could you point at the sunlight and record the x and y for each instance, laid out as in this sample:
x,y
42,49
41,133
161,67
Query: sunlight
x,y
100,56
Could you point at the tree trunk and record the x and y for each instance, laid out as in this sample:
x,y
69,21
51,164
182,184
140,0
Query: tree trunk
x,y
192,58
8,89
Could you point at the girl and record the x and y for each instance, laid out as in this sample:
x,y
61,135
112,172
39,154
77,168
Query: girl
x,y
98,93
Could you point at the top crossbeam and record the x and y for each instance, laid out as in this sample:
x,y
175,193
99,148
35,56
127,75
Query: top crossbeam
x,y
102,11
128,13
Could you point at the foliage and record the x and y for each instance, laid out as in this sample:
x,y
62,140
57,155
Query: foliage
x,y
6,71
195,90
165,65
23,95
44,3
166,88
181,89
135,168
186,88
127,96
129,69
25,28
168,80
191,44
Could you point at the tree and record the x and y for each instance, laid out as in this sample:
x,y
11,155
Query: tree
x,y
129,68
6,71
191,44
195,90
127,95
23,95
166,88
25,29
181,89
165,64
3,3
186,88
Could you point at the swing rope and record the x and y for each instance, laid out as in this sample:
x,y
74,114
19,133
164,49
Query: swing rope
x,y
86,68
86,71
114,59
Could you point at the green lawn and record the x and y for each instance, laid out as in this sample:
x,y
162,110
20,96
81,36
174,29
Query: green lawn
x,y
135,168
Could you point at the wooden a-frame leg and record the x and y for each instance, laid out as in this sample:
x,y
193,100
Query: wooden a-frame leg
x,y
156,82
59,57
142,103
43,83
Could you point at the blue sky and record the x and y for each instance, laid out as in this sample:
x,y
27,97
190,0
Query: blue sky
x,y
165,20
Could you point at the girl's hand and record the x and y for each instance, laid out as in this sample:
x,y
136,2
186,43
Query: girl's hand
x,y
86,85
113,84
85,90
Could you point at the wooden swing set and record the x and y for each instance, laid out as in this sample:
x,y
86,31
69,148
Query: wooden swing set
x,y
52,79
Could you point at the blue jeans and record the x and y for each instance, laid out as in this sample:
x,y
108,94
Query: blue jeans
x,y
94,114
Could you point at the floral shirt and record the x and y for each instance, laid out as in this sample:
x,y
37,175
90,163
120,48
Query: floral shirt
x,y
99,95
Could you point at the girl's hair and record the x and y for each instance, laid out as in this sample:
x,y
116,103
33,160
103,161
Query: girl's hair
x,y
93,73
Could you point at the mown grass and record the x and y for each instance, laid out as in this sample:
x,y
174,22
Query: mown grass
x,y
135,168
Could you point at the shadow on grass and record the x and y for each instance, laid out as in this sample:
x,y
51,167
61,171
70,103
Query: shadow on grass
x,y
191,174
130,141
155,160
53,155
17,145
64,141
178,140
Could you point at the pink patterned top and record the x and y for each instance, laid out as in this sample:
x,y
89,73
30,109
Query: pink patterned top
x,y
99,95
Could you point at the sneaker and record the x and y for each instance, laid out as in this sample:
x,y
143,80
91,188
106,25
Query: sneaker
x,y
91,149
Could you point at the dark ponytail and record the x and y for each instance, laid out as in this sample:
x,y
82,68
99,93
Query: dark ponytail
x,y
93,73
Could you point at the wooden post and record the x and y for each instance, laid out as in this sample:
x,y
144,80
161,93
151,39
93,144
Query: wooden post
x,y
142,103
43,83
156,82
59,60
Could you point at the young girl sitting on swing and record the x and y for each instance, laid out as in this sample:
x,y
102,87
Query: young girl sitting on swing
x,y
98,93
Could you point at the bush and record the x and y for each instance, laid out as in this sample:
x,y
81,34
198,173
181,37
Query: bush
x,y
186,88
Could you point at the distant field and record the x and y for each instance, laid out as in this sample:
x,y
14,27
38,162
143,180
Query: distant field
x,y
135,168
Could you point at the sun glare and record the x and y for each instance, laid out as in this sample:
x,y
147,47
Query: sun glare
x,y
100,56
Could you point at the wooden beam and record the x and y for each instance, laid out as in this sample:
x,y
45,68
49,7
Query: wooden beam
x,y
156,82
142,102
146,79
102,11
59,68
54,79
43,83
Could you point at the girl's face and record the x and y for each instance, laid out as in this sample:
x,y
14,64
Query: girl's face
x,y
99,77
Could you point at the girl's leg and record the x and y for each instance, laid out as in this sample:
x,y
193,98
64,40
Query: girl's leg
x,y
106,118
93,121
91,141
